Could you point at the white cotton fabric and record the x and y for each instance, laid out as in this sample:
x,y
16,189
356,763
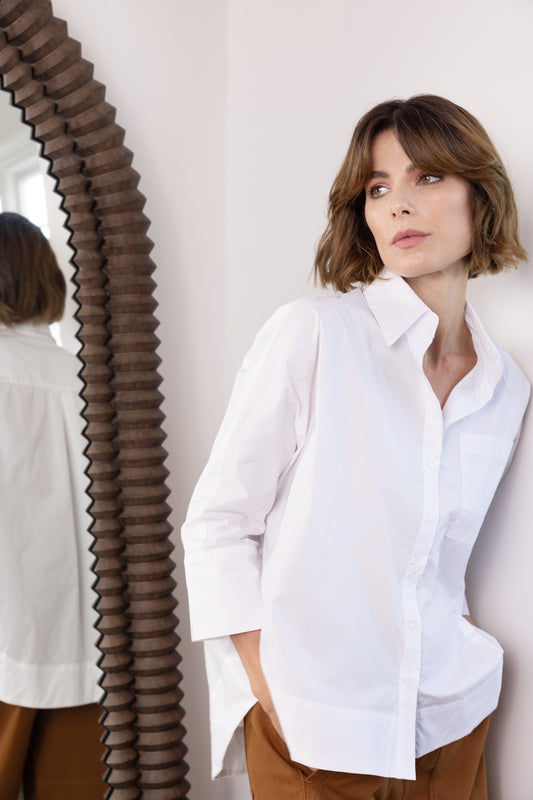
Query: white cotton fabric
x,y
47,639
337,513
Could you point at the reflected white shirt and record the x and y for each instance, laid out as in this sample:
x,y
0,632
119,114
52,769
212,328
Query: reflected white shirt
x,y
47,639
337,513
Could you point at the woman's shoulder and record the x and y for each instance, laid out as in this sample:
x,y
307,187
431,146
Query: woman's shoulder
x,y
29,356
295,331
321,309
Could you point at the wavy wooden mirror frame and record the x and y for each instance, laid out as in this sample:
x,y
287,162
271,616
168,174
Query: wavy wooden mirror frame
x,y
48,79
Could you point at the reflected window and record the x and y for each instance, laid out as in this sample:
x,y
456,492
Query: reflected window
x,y
32,200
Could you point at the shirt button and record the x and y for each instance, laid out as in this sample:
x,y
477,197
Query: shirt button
x,y
411,682
431,517
417,569
413,625
432,463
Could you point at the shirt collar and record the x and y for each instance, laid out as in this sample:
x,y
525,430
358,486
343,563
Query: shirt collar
x,y
395,306
489,358
27,329
398,310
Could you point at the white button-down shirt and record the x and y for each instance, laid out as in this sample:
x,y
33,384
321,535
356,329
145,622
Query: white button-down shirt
x,y
48,654
337,513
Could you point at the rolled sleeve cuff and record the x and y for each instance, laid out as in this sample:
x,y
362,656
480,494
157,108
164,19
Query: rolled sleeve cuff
x,y
224,586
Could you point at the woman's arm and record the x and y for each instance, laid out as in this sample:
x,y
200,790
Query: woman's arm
x,y
247,646
263,428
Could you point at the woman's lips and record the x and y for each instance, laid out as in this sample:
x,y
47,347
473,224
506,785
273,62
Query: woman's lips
x,y
409,238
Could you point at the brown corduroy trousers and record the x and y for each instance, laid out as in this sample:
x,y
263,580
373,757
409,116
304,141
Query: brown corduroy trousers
x,y
55,754
453,772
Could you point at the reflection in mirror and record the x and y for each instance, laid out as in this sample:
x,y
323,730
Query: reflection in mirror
x,y
25,187
49,731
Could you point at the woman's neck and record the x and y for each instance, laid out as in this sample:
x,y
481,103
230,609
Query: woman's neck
x,y
451,354
445,294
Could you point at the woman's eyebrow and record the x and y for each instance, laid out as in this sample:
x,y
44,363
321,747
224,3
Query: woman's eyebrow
x,y
379,173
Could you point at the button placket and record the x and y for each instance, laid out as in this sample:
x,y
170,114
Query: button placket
x,y
412,658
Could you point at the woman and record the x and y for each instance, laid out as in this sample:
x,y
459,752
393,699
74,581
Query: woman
x,y
49,730
328,537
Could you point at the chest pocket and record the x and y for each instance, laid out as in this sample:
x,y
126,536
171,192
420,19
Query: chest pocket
x,y
483,459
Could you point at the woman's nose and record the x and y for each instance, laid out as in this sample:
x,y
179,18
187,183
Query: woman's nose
x,y
401,206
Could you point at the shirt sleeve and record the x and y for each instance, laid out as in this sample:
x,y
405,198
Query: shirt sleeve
x,y
264,427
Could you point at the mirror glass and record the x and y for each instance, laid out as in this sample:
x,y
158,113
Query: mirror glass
x,y
47,648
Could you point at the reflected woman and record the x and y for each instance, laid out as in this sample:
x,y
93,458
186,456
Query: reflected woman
x,y
328,537
49,731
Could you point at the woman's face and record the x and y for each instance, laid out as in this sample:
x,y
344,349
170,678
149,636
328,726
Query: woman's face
x,y
421,223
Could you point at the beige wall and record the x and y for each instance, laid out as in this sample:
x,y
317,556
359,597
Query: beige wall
x,y
239,113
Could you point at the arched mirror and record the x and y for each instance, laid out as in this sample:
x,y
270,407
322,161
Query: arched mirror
x,y
47,78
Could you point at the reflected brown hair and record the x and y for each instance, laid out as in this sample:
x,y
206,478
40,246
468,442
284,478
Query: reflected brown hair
x,y
32,287
440,138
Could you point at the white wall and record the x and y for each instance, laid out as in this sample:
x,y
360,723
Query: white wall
x,y
239,114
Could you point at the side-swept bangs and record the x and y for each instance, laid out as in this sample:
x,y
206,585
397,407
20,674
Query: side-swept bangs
x,y
440,138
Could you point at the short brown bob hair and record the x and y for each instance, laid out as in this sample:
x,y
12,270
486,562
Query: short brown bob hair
x,y
32,287
440,138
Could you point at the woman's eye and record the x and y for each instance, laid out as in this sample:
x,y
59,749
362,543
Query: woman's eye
x,y
376,191
429,178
